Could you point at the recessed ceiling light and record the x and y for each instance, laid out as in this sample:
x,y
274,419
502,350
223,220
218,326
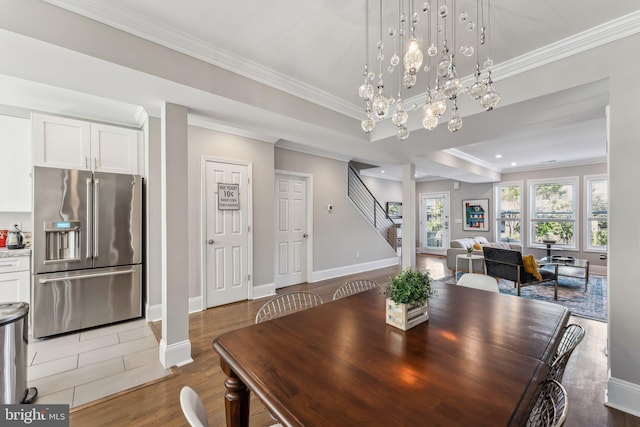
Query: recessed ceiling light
x,y
498,156
381,171
514,164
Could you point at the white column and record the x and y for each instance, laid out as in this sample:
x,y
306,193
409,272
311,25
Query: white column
x,y
408,216
623,387
175,347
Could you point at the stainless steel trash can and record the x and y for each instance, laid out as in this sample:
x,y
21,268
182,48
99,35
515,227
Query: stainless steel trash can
x,y
14,329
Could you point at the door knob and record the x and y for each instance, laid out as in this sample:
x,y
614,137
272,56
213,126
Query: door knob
x,y
305,235
210,241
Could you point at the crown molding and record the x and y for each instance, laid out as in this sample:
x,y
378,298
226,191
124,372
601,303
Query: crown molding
x,y
200,49
471,159
208,123
613,30
184,43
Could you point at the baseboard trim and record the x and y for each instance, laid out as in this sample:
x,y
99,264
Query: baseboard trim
x,y
154,312
178,354
196,304
623,396
263,291
331,273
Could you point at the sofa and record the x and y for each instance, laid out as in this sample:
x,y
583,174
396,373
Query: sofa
x,y
459,246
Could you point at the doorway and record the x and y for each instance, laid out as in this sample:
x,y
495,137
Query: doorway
x,y
227,236
434,222
293,228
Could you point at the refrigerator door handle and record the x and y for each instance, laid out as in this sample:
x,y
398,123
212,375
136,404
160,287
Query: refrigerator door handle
x,y
86,276
96,220
88,221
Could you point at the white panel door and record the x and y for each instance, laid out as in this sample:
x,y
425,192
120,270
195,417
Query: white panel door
x,y
227,236
291,231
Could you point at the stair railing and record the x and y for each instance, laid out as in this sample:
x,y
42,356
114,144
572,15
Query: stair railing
x,y
370,207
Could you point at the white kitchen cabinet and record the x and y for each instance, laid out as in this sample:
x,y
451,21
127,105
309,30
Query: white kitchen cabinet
x,y
15,279
114,149
60,142
15,170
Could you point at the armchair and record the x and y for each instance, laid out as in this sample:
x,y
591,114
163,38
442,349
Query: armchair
x,y
507,264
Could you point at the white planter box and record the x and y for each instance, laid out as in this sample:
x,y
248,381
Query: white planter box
x,y
403,316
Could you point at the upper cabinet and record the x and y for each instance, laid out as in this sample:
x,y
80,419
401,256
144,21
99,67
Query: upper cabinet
x,y
15,171
60,142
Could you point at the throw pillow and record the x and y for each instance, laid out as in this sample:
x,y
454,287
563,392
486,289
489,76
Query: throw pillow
x,y
477,246
501,245
531,266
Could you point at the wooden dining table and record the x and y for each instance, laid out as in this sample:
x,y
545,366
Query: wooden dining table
x,y
477,361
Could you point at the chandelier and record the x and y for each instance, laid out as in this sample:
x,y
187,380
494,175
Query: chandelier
x,y
423,41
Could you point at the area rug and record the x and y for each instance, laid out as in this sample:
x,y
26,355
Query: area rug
x,y
591,304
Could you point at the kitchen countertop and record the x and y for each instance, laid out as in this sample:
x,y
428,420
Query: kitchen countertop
x,y
4,252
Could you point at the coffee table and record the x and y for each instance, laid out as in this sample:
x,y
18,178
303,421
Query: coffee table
x,y
569,267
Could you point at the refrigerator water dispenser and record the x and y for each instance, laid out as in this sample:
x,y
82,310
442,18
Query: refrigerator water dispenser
x,y
62,241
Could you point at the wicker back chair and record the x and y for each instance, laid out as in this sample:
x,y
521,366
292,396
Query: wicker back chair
x,y
354,287
551,407
286,304
572,336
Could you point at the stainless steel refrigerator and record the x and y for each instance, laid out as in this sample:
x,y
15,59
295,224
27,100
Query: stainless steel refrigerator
x,y
86,249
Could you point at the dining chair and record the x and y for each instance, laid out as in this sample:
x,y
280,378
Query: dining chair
x,y
193,408
572,336
551,407
354,287
479,281
286,304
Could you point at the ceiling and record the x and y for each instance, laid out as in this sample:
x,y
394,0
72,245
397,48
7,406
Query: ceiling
x,y
315,51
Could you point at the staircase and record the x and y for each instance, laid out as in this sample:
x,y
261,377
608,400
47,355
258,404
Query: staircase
x,y
371,208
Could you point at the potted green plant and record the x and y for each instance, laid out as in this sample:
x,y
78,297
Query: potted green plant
x,y
469,250
408,293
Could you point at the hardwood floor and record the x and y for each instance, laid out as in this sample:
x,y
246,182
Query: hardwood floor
x,y
158,403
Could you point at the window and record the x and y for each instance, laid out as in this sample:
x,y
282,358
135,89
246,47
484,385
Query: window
x,y
508,211
597,211
553,212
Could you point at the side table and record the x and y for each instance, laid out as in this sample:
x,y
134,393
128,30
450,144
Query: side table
x,y
470,257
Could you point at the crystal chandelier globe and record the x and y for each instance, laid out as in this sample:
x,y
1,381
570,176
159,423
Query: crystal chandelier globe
x,y
426,42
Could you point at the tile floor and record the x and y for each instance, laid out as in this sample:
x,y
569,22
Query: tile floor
x,y
79,368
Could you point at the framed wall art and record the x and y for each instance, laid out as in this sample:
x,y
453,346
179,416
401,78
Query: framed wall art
x,y
475,215
394,210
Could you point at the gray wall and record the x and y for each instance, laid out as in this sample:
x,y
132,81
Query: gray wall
x,y
485,191
153,222
338,235
205,142
580,172
466,191
384,190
